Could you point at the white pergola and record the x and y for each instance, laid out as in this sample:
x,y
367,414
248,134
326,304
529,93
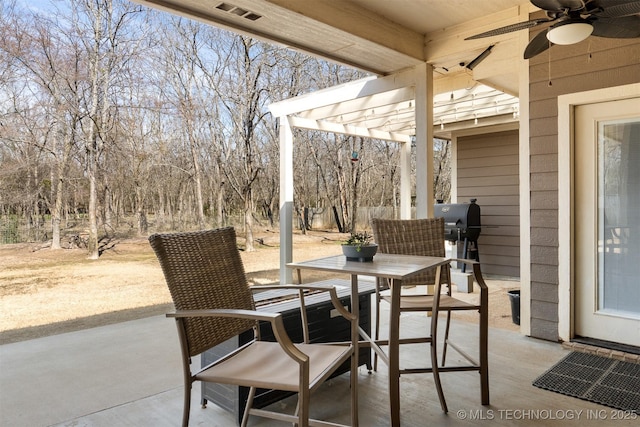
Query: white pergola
x,y
398,107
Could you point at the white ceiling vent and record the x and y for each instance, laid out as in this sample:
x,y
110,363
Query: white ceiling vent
x,y
229,8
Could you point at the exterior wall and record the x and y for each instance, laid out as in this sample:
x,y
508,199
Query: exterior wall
x,y
595,63
487,169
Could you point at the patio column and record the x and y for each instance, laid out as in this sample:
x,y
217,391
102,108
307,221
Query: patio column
x,y
286,199
405,180
424,141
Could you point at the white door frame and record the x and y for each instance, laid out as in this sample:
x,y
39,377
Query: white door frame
x,y
566,265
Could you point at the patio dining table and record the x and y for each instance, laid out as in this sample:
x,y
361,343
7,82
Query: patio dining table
x,y
396,268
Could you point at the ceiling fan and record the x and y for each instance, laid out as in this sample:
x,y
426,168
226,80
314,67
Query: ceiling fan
x,y
574,20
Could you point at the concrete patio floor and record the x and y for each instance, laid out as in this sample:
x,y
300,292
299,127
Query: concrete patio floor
x,y
129,374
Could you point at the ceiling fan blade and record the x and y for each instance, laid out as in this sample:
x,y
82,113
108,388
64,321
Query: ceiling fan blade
x,y
618,10
558,5
537,45
510,28
627,27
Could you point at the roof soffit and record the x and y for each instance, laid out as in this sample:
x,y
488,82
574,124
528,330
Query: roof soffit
x,y
360,22
378,36
383,48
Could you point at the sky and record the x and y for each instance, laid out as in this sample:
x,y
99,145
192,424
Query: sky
x,y
36,4
41,5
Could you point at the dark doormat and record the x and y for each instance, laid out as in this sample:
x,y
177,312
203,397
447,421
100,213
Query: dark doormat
x,y
598,379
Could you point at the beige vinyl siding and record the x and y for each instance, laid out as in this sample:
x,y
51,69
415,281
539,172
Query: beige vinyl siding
x,y
592,64
487,168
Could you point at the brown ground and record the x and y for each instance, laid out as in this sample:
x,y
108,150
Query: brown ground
x,y
44,292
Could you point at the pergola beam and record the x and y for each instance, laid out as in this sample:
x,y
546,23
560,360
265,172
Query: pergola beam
x,y
387,99
328,126
345,92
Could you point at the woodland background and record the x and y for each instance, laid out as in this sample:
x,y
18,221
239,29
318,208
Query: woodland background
x,y
117,120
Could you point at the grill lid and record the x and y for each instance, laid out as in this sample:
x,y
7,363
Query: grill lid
x,y
461,220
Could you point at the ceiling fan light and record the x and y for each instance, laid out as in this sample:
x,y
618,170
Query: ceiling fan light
x,y
570,33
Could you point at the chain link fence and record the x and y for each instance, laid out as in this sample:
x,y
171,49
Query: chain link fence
x,y
74,231
16,229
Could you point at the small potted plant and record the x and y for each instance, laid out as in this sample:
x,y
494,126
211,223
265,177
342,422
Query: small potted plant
x,y
359,247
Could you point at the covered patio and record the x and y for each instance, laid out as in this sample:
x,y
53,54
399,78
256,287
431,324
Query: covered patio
x,y
129,374
437,40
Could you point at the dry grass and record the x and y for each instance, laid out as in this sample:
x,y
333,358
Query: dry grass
x,y
45,292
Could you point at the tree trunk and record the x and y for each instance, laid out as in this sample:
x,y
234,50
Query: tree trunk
x,y
56,213
342,191
248,221
202,223
143,225
219,204
356,172
108,207
92,243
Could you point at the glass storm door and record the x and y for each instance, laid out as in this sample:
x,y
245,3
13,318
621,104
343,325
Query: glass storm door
x,y
607,221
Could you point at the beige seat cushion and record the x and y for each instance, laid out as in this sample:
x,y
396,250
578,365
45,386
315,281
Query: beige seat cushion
x,y
264,364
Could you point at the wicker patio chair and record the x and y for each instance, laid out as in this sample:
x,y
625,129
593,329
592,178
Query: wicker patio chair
x,y
425,237
213,303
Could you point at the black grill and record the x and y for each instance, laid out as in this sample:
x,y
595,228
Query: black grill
x,y
461,224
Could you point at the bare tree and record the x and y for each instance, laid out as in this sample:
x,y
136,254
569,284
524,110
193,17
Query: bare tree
x,y
50,61
193,74
442,169
243,98
106,51
178,133
292,77
211,67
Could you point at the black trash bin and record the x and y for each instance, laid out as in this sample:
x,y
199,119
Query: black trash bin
x,y
514,297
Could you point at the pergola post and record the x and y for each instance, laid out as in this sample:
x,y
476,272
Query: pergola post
x,y
424,142
405,180
286,199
